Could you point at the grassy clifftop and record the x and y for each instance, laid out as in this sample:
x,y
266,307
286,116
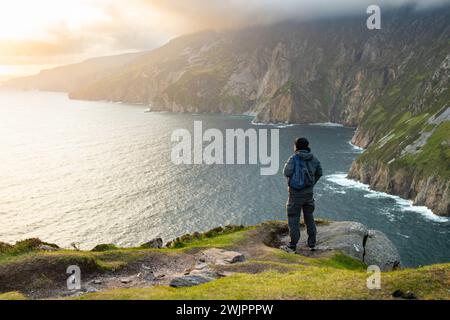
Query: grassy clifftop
x,y
267,272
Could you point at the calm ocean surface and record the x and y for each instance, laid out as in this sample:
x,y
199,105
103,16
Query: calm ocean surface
x,y
94,172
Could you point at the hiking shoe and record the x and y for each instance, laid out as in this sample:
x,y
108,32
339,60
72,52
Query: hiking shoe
x,y
288,248
312,248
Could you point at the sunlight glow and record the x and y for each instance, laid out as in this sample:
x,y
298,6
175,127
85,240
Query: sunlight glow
x,y
31,19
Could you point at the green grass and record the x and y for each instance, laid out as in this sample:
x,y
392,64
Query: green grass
x,y
306,282
272,274
395,90
341,261
109,255
217,237
105,247
27,246
434,157
420,77
14,295
403,110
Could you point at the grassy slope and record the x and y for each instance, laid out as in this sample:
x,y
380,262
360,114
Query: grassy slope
x,y
300,282
25,251
393,117
13,295
279,275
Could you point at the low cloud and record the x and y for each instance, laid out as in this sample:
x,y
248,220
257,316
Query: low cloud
x,y
145,24
207,14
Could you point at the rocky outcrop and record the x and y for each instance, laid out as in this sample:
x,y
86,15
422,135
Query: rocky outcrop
x,y
357,241
348,237
222,257
203,271
190,280
154,243
380,251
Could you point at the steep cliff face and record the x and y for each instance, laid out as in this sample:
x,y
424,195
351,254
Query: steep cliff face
x,y
408,182
297,72
392,84
287,72
407,135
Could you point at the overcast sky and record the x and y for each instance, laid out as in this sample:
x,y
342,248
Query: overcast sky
x,y
43,33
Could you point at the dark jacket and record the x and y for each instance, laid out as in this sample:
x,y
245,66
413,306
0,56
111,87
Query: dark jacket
x,y
313,165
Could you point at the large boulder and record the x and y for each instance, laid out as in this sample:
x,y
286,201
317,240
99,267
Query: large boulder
x,y
221,256
380,251
355,240
346,236
193,279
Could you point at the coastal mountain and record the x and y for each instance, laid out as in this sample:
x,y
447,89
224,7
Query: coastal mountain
x,y
73,76
392,84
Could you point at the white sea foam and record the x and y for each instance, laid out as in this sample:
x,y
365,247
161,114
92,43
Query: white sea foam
x,y
335,189
253,122
379,195
403,235
342,180
355,147
403,204
326,124
280,125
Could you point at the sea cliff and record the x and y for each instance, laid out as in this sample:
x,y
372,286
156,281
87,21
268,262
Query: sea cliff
x,y
392,84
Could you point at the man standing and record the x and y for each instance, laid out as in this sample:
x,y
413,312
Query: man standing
x,y
302,170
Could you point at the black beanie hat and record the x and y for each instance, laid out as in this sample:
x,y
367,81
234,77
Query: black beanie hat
x,y
301,144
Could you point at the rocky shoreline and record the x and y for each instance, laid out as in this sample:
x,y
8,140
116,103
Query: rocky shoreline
x,y
429,191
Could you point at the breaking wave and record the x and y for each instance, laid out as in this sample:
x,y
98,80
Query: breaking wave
x,y
405,205
355,147
326,124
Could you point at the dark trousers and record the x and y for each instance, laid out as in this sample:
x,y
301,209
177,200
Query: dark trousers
x,y
295,205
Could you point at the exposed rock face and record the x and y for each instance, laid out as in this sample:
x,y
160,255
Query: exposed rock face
x,y
392,84
346,236
407,136
189,281
357,241
154,243
48,248
427,190
296,72
380,251
220,256
202,272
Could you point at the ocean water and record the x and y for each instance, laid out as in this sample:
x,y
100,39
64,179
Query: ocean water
x,y
98,172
